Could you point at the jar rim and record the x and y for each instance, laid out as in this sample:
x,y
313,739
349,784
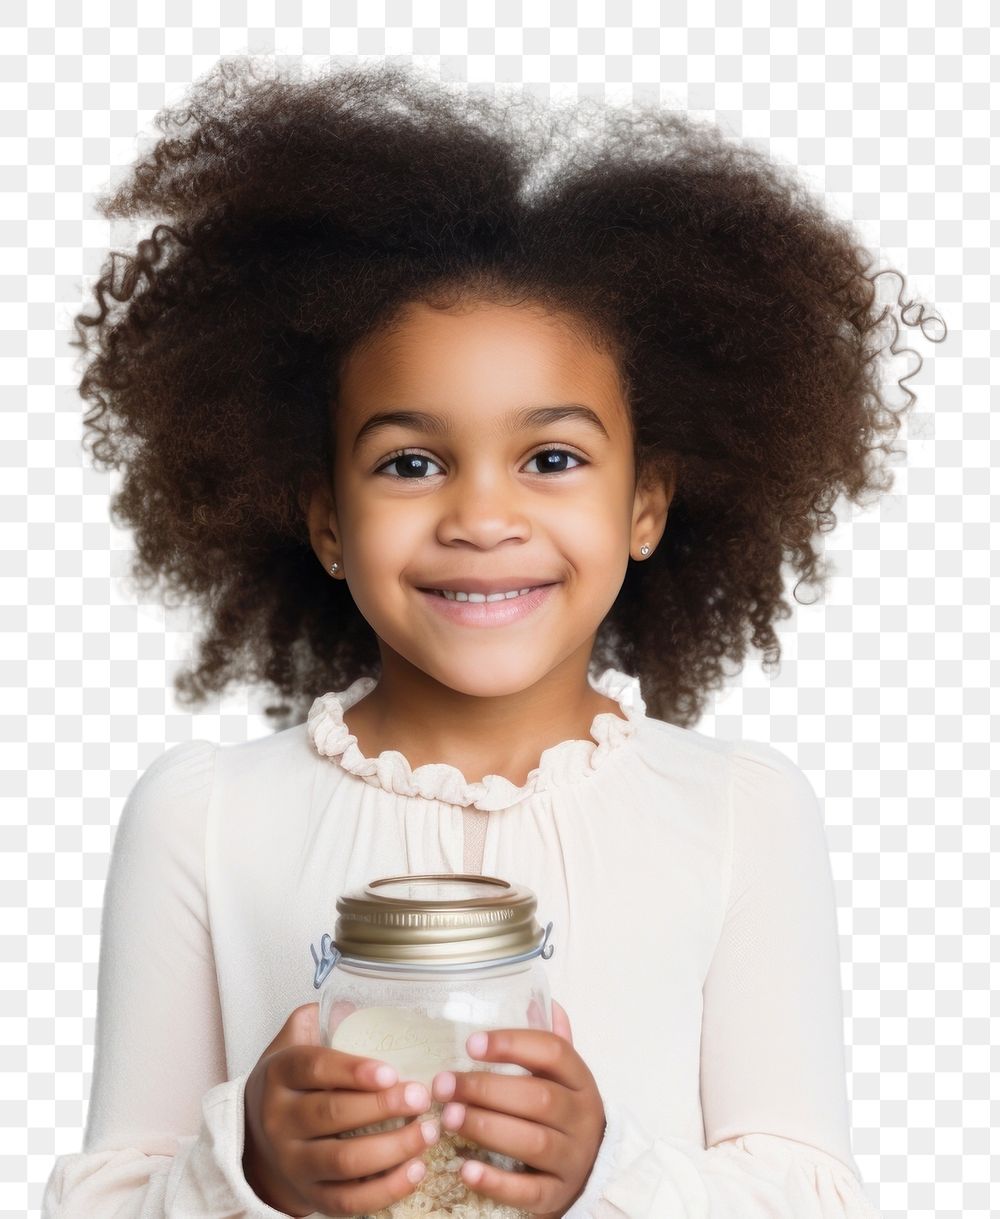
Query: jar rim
x,y
437,922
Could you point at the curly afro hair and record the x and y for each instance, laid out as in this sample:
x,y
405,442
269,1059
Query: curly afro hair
x,y
297,216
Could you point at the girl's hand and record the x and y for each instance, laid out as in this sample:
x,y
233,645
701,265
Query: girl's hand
x,y
552,1120
298,1097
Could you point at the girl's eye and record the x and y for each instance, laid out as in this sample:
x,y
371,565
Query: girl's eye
x,y
412,462
550,468
409,461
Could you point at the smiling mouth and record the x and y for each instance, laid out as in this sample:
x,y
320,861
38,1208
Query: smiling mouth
x,y
482,598
487,609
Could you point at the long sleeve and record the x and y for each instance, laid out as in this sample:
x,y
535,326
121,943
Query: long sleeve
x,y
773,1078
164,1130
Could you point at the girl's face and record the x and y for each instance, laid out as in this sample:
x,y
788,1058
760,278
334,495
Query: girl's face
x,y
463,490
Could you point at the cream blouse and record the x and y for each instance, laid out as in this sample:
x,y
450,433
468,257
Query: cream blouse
x,y
696,954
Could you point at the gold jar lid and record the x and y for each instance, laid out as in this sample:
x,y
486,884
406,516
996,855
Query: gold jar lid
x,y
438,920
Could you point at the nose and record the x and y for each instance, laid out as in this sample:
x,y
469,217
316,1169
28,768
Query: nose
x,y
483,509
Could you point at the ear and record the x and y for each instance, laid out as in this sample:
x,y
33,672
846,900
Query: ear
x,y
317,503
653,494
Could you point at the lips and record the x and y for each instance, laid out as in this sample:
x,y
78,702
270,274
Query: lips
x,y
504,611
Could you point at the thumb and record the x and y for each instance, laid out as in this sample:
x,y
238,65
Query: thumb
x,y
301,1028
560,1022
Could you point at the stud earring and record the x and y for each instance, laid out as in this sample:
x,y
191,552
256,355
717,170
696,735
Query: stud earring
x,y
333,568
644,550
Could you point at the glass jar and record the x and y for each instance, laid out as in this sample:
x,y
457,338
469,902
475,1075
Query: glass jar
x,y
416,965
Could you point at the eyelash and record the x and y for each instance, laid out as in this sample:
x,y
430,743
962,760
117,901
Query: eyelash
x,y
416,453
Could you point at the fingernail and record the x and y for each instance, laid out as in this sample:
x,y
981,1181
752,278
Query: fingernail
x,y
416,1096
416,1171
385,1076
472,1171
430,1131
476,1045
444,1086
453,1116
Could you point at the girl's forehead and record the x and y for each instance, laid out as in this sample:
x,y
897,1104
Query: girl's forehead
x,y
489,362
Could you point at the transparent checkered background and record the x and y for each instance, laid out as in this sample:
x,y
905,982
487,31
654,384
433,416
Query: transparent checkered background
x,y
884,693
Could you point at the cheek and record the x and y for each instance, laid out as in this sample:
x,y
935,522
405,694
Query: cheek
x,y
595,531
377,526
382,549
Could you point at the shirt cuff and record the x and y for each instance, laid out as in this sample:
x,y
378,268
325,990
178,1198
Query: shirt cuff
x,y
214,1176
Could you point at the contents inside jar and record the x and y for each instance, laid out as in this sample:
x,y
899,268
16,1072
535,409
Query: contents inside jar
x,y
442,1194
419,1046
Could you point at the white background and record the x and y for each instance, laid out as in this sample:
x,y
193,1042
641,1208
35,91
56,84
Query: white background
x,y
884,694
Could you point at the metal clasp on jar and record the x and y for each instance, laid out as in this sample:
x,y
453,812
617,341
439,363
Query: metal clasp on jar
x,y
330,954
326,962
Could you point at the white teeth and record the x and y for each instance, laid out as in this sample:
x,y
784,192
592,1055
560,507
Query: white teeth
x,y
460,596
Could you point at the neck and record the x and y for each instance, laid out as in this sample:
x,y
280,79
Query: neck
x,y
479,733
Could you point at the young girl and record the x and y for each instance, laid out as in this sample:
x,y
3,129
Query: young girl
x,y
389,353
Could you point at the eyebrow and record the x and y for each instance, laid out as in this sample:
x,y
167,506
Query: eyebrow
x,y
527,417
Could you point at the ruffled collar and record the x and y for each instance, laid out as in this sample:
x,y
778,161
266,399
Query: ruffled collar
x,y
566,762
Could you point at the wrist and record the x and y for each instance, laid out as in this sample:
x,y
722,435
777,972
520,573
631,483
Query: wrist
x,y
252,1177
259,1181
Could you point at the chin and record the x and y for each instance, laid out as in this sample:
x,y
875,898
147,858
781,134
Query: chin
x,y
483,677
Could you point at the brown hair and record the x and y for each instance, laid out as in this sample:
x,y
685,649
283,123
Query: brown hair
x,y
297,216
